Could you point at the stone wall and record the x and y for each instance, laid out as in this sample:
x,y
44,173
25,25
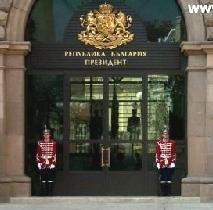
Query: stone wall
x,y
208,20
5,6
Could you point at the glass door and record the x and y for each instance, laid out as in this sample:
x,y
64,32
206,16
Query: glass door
x,y
86,124
106,129
125,123
105,135
105,126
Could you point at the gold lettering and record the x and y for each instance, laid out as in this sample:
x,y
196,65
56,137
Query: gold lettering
x,y
105,62
86,62
101,54
128,54
124,62
78,54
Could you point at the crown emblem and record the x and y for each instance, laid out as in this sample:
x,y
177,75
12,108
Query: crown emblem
x,y
105,8
106,28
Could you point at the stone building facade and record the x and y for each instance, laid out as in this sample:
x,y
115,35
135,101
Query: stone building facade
x,y
13,49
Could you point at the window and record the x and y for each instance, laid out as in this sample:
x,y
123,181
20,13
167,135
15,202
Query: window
x,y
49,19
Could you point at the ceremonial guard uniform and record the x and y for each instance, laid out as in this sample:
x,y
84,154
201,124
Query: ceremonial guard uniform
x,y
165,160
46,162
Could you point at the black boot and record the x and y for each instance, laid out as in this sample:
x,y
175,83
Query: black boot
x,y
169,189
43,188
50,188
163,189
166,189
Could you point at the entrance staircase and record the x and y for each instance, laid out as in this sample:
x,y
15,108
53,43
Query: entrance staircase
x,y
106,203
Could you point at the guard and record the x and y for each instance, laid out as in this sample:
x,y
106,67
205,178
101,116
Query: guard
x,y
165,160
46,162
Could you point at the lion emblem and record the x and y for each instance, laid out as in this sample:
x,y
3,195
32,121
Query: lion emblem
x,y
106,28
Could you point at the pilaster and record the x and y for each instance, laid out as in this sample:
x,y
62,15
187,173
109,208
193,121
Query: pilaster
x,y
13,181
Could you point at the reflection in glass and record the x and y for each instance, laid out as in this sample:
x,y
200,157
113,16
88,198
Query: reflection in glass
x,y
126,157
151,155
133,126
44,106
125,98
95,125
159,105
79,120
166,105
162,19
49,19
86,108
84,156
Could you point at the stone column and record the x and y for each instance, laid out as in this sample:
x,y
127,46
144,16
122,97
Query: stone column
x,y
13,182
196,118
206,188
2,123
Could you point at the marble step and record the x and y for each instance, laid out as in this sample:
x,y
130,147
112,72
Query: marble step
x,y
105,199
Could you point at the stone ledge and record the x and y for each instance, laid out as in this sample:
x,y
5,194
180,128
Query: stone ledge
x,y
13,47
15,186
4,200
14,179
198,180
206,192
206,180
189,180
197,48
196,69
103,199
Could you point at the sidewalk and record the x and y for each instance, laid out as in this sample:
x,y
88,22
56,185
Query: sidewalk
x,y
106,203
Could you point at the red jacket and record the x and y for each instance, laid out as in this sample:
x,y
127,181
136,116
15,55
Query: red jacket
x,y
46,153
165,153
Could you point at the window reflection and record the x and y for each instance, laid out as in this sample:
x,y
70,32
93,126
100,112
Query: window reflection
x,y
166,105
86,108
133,126
44,106
162,19
125,99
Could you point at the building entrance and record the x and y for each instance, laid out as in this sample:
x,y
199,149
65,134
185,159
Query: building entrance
x,y
105,82
106,129
105,146
111,127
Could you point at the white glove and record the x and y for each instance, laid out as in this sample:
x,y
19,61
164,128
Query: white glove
x,y
172,165
39,166
52,166
158,165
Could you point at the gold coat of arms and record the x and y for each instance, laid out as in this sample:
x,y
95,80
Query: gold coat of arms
x,y
106,28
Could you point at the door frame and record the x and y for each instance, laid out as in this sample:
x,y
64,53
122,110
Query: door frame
x,y
144,176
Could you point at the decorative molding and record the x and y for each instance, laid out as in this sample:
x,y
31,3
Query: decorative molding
x,y
197,48
15,48
196,69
